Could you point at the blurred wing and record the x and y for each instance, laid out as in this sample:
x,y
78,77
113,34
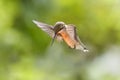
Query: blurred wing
x,y
71,30
45,27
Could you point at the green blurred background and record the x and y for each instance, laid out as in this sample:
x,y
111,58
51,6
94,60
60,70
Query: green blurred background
x,y
25,51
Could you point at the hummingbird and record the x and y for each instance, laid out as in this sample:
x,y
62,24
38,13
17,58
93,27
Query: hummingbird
x,y
62,31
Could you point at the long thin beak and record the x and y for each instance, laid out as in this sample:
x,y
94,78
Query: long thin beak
x,y
53,39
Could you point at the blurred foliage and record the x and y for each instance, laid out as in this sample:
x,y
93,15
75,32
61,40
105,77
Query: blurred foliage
x,y
25,51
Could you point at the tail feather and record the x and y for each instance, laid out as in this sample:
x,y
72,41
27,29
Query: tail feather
x,y
83,48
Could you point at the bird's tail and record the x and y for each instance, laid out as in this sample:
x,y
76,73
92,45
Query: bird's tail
x,y
81,47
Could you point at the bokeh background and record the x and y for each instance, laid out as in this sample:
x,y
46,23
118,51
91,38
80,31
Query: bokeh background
x,y
25,51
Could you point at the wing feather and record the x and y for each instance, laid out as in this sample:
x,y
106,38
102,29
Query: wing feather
x,y
45,27
71,29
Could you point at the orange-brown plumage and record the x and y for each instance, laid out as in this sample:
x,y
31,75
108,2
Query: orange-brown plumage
x,y
67,38
62,31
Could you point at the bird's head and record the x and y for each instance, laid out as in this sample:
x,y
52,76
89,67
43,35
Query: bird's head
x,y
59,26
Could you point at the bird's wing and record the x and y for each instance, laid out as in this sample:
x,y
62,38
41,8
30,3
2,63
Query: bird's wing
x,y
45,27
71,30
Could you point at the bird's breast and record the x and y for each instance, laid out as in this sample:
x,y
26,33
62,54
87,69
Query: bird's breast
x,y
66,37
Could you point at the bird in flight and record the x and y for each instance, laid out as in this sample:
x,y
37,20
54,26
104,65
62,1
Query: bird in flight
x,y
62,31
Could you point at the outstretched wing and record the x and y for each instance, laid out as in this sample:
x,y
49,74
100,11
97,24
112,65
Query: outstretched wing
x,y
71,30
45,27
